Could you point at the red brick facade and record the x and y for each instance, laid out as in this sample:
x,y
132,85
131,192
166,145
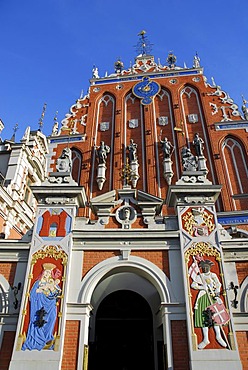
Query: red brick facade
x,y
70,352
159,258
180,345
6,349
8,271
242,269
196,98
242,338
92,258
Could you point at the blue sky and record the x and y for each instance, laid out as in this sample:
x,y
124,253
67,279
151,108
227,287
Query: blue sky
x,y
48,48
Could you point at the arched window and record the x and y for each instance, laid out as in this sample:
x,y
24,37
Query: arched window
x,y
106,99
76,164
163,108
106,107
236,166
191,106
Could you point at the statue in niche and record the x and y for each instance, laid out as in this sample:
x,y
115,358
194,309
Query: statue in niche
x,y
167,147
102,153
198,144
132,151
208,285
189,161
64,162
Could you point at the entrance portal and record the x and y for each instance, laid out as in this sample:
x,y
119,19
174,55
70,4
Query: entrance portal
x,y
123,334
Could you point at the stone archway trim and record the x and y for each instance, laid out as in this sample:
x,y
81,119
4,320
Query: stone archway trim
x,y
142,266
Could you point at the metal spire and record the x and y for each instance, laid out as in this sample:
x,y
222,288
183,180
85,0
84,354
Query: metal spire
x,y
143,46
42,117
15,128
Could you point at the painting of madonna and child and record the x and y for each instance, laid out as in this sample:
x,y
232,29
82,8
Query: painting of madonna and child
x,y
41,323
211,319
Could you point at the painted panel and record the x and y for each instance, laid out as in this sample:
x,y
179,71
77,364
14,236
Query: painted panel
x,y
43,308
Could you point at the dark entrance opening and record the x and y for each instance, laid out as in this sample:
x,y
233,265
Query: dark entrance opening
x,y
123,334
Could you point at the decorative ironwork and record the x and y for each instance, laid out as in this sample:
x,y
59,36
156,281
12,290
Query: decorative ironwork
x,y
16,289
234,302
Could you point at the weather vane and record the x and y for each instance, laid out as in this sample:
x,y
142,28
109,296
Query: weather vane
x,y
15,128
143,46
42,117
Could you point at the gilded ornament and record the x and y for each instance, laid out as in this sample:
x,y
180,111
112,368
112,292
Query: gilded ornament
x,y
201,249
198,222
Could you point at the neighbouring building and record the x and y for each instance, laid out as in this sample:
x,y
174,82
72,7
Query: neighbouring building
x,y
124,234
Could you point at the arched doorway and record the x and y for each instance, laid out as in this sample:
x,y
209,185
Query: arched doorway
x,y
123,338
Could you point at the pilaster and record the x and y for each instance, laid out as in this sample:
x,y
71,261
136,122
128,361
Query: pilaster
x,y
211,337
40,331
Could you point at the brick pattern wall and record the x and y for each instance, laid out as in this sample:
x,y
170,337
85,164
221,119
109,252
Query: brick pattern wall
x,y
8,271
70,353
242,271
92,258
159,258
180,345
6,349
242,338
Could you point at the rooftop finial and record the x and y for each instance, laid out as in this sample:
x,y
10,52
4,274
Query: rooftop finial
x,y
244,108
244,100
55,128
171,60
143,47
118,65
15,128
196,61
42,117
95,73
